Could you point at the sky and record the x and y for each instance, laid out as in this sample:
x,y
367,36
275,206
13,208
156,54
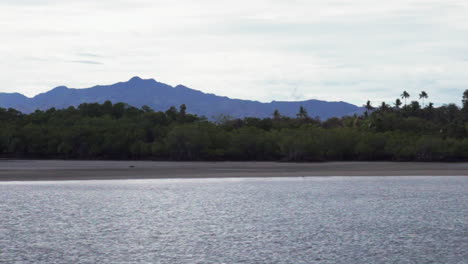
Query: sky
x,y
334,50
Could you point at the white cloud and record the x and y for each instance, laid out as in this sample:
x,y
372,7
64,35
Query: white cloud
x,y
262,50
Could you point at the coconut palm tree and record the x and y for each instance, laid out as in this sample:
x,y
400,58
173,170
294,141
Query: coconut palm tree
x,y
368,107
397,103
465,105
465,100
384,107
302,113
276,114
423,95
183,110
430,107
405,95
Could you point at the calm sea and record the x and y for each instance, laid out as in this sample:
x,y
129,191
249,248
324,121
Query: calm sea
x,y
287,220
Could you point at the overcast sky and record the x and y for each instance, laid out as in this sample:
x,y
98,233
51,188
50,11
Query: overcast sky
x,y
335,50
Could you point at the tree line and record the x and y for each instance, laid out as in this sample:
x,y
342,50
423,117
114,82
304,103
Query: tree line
x,y
398,132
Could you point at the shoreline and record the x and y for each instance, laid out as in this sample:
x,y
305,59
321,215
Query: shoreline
x,y
71,170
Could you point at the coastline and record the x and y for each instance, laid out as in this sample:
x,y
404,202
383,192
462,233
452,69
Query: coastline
x,y
61,170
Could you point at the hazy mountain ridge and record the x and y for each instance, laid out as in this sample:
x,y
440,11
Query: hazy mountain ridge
x,y
159,96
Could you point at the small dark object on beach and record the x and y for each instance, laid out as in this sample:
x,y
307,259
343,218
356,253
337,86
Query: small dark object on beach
x,y
131,166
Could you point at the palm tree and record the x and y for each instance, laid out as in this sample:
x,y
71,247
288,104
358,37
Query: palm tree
x,y
397,103
276,114
423,95
368,107
302,113
183,110
430,107
465,100
405,95
384,107
465,105
429,110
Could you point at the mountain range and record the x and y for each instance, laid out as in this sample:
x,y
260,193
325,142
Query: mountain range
x,y
159,96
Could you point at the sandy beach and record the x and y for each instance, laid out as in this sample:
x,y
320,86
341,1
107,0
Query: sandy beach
x,y
54,170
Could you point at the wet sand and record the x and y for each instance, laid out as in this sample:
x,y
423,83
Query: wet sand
x,y
54,170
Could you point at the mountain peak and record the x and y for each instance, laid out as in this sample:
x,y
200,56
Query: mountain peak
x,y
59,89
138,92
135,79
180,86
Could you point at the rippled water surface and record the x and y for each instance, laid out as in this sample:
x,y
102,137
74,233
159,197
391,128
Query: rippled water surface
x,y
297,220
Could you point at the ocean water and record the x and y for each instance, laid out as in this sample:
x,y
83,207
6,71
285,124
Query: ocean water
x,y
286,220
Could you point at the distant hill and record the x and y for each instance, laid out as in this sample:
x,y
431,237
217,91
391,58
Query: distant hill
x,y
159,96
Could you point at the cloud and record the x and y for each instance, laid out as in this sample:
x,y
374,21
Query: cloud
x,y
89,55
262,50
86,62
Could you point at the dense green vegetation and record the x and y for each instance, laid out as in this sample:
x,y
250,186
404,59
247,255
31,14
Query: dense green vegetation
x,y
119,131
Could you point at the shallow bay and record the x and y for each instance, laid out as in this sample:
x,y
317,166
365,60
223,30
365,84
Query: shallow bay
x,y
280,220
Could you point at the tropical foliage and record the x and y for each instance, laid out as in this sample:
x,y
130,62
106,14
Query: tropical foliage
x,y
120,131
